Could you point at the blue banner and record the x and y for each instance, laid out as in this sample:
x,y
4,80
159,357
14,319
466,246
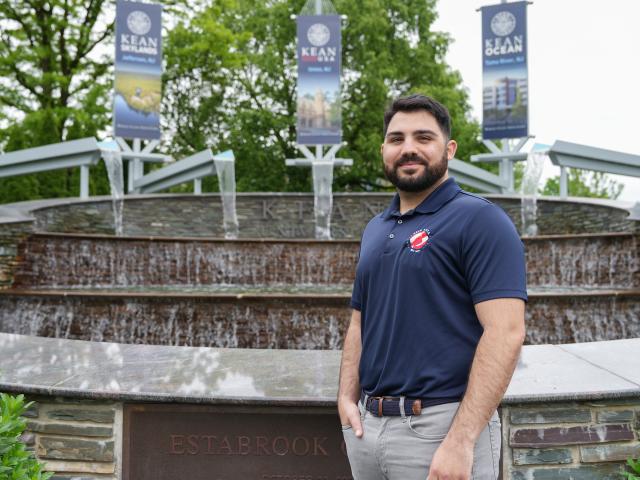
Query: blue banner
x,y
505,93
138,70
319,108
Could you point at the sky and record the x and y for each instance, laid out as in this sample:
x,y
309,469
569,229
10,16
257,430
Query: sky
x,y
584,71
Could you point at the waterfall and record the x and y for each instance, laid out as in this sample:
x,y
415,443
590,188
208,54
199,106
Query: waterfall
x,y
529,192
113,162
225,169
322,198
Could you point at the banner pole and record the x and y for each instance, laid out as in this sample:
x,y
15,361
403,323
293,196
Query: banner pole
x,y
136,162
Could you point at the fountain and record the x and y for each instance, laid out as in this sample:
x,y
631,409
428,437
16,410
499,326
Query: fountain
x,y
529,191
225,169
289,293
322,173
141,300
113,161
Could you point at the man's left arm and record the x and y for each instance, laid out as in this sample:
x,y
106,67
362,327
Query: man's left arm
x,y
493,365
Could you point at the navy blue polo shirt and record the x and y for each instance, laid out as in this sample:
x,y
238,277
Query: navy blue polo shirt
x,y
418,278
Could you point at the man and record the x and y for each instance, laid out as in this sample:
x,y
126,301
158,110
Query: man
x,y
438,316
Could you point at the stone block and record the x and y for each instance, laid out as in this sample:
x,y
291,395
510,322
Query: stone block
x,y
551,415
80,401
28,438
83,415
31,412
555,436
609,453
591,472
80,477
61,448
79,468
615,416
81,430
537,456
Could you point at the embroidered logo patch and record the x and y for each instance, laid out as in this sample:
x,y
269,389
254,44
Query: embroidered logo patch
x,y
419,240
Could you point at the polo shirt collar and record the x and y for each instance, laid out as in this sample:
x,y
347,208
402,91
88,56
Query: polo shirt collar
x,y
441,195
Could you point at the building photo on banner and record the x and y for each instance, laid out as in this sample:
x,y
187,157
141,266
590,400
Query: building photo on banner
x,y
319,119
583,63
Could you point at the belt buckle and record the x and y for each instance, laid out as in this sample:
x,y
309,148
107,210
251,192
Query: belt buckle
x,y
380,401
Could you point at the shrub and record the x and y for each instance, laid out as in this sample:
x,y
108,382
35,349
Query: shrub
x,y
635,466
16,462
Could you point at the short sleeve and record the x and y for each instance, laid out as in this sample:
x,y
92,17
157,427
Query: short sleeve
x,y
356,294
493,256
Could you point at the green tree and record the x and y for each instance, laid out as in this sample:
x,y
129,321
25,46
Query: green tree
x,y
231,83
585,184
54,84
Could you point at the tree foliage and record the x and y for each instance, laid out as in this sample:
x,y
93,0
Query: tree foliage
x,y
231,83
582,183
53,84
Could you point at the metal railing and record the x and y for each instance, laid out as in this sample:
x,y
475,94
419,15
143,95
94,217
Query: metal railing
x,y
81,153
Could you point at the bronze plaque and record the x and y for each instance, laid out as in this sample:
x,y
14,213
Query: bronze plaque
x,y
169,442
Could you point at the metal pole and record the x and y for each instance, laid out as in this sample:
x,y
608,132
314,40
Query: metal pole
x,y
318,7
506,166
197,186
136,162
140,172
130,176
564,187
84,181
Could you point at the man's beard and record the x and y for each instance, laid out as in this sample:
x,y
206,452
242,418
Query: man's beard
x,y
432,173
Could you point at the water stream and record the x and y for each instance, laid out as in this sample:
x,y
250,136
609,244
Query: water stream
x,y
529,191
225,168
113,162
322,198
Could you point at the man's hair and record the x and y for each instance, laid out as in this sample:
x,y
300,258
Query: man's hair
x,y
417,102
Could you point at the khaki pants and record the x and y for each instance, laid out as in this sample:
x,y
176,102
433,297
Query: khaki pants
x,y
401,448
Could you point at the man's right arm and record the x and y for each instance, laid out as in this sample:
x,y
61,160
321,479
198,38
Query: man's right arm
x,y
349,390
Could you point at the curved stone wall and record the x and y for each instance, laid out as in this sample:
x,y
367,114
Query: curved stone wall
x,y
282,215
610,261
290,294
280,321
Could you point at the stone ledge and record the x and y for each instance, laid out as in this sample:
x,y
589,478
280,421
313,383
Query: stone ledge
x,y
80,369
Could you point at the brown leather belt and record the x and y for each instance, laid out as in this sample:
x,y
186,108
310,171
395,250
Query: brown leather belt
x,y
390,406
